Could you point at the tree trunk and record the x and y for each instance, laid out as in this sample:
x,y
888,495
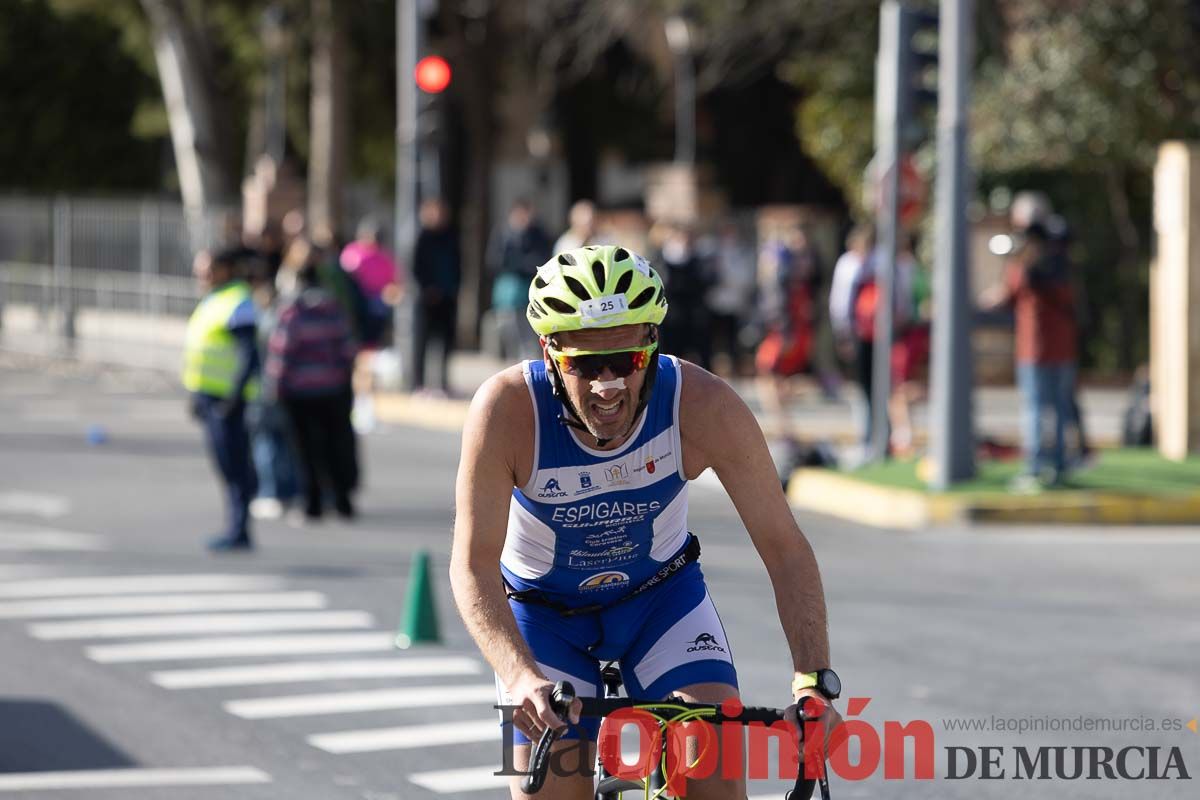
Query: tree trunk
x,y
329,121
193,109
1127,263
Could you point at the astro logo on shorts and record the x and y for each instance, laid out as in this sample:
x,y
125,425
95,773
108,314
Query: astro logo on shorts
x,y
705,641
552,489
604,580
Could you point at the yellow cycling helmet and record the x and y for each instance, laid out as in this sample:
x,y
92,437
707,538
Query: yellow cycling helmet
x,y
595,287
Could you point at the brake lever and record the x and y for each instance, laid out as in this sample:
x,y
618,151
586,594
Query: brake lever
x,y
561,699
804,786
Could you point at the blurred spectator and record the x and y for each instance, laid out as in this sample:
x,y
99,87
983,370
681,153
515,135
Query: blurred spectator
x,y
309,364
581,228
910,348
789,310
349,298
1031,208
270,442
687,284
220,370
732,298
515,252
374,271
851,313
438,272
1037,285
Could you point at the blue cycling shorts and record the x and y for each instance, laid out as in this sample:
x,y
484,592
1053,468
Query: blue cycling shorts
x,y
665,639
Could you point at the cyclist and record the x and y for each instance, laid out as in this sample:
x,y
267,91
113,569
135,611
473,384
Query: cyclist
x,y
571,543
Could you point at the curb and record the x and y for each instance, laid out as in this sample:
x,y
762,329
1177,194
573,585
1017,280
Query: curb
x,y
841,496
425,412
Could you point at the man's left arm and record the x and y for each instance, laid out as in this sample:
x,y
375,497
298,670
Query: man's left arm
x,y
726,436
242,326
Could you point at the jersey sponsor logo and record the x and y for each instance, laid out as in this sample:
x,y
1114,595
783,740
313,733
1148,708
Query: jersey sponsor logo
x,y
705,642
651,463
603,580
586,485
617,475
552,489
594,513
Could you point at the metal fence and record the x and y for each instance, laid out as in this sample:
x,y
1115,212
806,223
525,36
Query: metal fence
x,y
153,237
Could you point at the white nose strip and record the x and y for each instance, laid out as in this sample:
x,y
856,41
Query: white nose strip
x,y
600,386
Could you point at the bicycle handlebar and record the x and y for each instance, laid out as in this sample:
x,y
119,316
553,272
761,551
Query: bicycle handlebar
x,y
564,695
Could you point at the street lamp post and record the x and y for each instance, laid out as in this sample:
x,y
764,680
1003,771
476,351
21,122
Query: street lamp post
x,y
680,41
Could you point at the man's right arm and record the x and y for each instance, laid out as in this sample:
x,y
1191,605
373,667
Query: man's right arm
x,y
500,415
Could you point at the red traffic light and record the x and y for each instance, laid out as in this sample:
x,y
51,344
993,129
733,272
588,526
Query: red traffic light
x,y
432,74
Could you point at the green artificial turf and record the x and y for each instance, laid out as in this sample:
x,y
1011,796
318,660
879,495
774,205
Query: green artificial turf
x,y
1126,471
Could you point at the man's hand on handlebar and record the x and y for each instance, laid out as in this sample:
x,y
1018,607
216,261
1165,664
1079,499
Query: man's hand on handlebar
x,y
535,714
819,704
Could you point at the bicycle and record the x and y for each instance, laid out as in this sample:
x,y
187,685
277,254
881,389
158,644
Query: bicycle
x,y
611,787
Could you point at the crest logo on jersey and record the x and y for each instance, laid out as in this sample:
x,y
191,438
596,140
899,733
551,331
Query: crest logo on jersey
x,y
650,465
603,580
552,489
617,474
585,480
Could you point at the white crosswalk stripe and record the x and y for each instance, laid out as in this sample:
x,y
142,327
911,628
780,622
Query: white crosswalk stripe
x,y
375,700
45,539
299,671
452,781
130,778
200,623
408,737
159,604
139,584
175,649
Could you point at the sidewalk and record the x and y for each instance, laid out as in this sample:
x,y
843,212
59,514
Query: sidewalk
x,y
997,408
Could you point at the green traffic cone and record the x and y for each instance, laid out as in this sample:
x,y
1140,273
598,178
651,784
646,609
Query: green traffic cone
x,y
419,625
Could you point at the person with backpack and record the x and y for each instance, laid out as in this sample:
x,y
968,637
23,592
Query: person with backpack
x,y
851,295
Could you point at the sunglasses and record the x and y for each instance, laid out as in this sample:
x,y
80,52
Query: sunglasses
x,y
591,364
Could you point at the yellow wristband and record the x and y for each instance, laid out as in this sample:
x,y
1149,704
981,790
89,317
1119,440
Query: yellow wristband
x,y
802,681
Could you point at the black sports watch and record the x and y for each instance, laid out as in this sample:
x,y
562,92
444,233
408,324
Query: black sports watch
x,y
825,681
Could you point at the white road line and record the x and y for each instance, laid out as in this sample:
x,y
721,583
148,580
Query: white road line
x,y
159,604
451,781
242,646
200,623
51,540
139,584
129,778
303,705
299,671
408,737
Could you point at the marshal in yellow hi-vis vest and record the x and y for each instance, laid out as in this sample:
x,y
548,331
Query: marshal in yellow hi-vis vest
x,y
210,358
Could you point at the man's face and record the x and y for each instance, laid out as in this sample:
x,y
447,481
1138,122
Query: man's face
x,y
606,409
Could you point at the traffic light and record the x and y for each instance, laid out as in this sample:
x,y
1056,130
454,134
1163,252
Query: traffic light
x,y
432,74
918,59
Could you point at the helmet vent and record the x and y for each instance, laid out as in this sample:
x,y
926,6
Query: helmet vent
x,y
577,288
623,283
567,260
659,299
539,283
620,254
598,273
642,298
558,305
539,308
533,312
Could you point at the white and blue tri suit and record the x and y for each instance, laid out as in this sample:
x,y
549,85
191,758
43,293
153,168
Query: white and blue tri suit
x,y
590,527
